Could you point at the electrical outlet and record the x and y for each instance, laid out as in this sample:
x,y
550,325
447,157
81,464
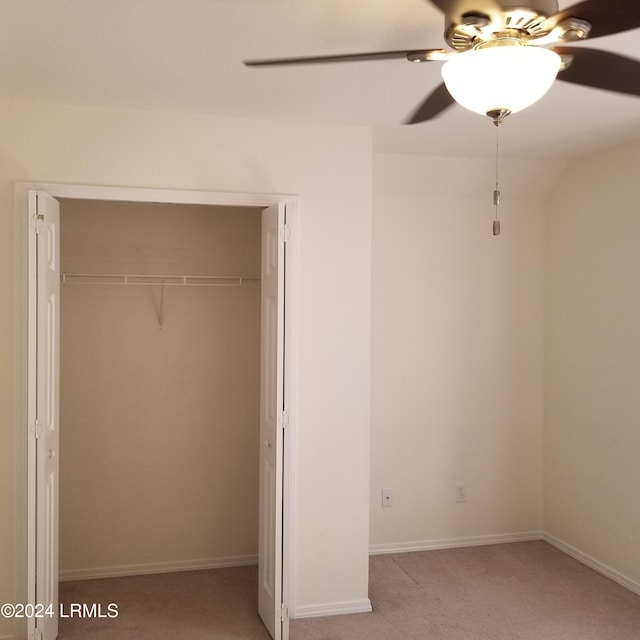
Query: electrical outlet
x,y
461,493
387,498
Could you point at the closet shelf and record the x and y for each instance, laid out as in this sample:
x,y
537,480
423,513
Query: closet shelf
x,y
117,278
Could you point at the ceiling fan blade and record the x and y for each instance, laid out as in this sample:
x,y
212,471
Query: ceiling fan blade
x,y
413,54
455,9
606,16
601,70
436,102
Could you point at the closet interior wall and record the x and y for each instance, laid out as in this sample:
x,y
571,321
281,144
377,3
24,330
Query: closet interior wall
x,y
159,389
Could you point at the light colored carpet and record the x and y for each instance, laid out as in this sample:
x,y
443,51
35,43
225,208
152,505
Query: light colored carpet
x,y
190,605
522,591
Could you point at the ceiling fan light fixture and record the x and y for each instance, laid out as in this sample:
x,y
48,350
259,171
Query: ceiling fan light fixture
x,y
506,77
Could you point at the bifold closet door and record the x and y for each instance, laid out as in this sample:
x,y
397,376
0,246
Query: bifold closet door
x,y
272,422
44,296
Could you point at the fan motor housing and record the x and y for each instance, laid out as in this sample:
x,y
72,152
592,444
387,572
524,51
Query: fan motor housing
x,y
526,17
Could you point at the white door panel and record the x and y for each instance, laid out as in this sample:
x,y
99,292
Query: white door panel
x,y
44,211
271,422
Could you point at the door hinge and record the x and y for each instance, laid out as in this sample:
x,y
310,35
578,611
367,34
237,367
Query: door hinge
x,y
38,218
36,429
38,222
284,612
285,232
36,635
284,419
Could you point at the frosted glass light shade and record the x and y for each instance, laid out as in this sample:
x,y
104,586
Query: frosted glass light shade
x,y
502,77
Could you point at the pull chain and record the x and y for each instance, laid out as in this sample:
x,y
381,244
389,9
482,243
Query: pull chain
x,y
496,191
497,115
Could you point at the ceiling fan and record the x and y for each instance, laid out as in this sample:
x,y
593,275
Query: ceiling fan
x,y
500,61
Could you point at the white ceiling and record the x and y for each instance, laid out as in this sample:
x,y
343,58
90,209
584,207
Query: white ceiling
x,y
186,55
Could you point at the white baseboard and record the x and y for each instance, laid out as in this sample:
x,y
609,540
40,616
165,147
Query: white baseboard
x,y
600,567
6,637
333,609
155,567
452,543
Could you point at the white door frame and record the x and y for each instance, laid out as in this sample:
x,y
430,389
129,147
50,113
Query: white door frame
x,y
25,459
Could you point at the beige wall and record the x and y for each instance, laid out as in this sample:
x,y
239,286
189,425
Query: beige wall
x,y
457,341
159,426
464,403
329,168
592,408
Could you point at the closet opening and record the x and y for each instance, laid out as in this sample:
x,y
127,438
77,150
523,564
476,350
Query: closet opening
x,y
159,398
163,400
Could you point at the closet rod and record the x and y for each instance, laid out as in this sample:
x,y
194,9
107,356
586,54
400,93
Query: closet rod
x,y
118,278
